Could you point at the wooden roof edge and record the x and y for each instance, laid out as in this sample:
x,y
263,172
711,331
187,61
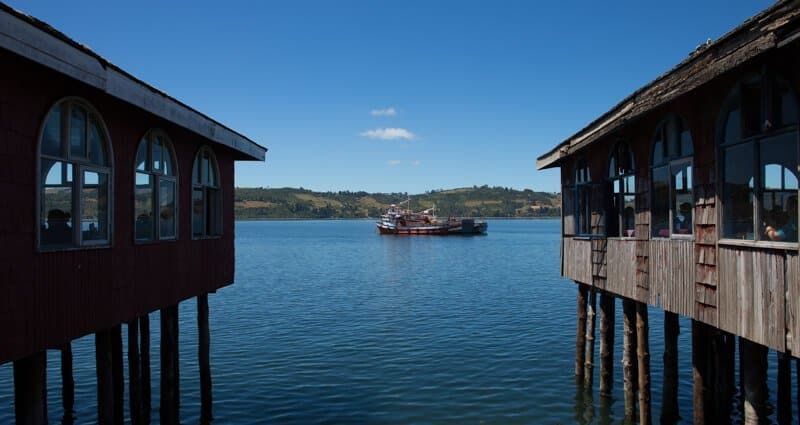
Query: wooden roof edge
x,y
753,29
36,40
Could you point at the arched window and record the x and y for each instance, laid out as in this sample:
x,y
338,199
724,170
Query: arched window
x,y
156,183
758,160
75,178
583,197
206,198
622,208
672,201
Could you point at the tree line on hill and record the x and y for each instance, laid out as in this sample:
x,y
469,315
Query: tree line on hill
x,y
476,201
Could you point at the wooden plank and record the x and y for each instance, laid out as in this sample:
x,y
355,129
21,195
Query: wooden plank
x,y
793,303
577,260
621,263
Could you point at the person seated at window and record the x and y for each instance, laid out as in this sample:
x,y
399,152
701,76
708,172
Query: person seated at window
x,y
788,230
683,219
629,218
144,226
58,229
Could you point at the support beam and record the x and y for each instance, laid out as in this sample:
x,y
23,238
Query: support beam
x,y
118,375
67,385
30,389
720,366
669,405
170,374
699,371
580,334
144,353
204,355
105,377
784,389
755,382
629,361
134,373
591,308
607,310
643,353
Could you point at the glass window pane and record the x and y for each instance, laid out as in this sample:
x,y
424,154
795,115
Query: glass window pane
x,y
77,132
157,160
141,156
169,161
752,117
213,216
629,216
94,206
785,106
51,136
658,152
196,177
733,126
737,211
198,212
143,207
681,199
779,187
56,216
97,145
686,143
167,203
660,213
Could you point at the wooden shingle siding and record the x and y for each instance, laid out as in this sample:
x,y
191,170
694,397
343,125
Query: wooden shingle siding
x,y
576,260
752,295
792,303
671,276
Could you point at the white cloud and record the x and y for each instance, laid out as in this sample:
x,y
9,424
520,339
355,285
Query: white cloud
x,y
416,162
388,134
385,112
393,162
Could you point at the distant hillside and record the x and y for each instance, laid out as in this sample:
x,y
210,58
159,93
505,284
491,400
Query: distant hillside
x,y
484,201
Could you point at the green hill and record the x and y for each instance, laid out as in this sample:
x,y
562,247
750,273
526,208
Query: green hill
x,y
483,201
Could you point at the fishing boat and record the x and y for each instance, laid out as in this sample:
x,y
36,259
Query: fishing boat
x,y
403,221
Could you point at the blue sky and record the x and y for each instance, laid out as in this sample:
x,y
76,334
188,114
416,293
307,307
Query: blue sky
x,y
397,95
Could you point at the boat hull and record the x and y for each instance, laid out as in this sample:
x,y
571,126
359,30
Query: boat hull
x,y
463,227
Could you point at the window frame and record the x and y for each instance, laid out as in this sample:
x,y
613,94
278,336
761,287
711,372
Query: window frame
x,y
157,176
671,162
612,196
582,184
205,188
767,81
80,165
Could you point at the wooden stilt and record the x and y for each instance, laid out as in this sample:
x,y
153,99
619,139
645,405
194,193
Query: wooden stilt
x,y
170,375
755,382
144,353
699,371
591,308
784,389
105,377
204,337
669,406
580,334
643,353
118,375
134,373
629,359
607,308
30,389
720,369
67,385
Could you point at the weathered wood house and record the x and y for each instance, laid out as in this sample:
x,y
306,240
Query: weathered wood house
x,y
118,202
684,196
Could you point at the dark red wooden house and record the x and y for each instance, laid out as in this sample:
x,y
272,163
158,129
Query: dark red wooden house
x,y
118,201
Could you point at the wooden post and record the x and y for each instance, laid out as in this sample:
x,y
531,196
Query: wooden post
x,y
67,385
105,377
591,307
170,374
580,334
134,373
699,349
629,359
669,405
204,338
784,389
643,353
607,307
720,368
118,375
144,353
30,389
755,382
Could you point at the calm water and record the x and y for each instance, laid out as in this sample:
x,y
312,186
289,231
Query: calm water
x,y
330,323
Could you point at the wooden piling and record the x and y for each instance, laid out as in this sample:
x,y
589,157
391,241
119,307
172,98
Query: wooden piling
x,y
669,405
118,375
105,377
784,389
134,373
30,389
643,353
144,355
720,366
629,359
580,333
588,365
755,382
204,339
607,310
170,374
699,371
67,385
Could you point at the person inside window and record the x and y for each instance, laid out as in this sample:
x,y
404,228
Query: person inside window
x,y
683,219
58,229
787,231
